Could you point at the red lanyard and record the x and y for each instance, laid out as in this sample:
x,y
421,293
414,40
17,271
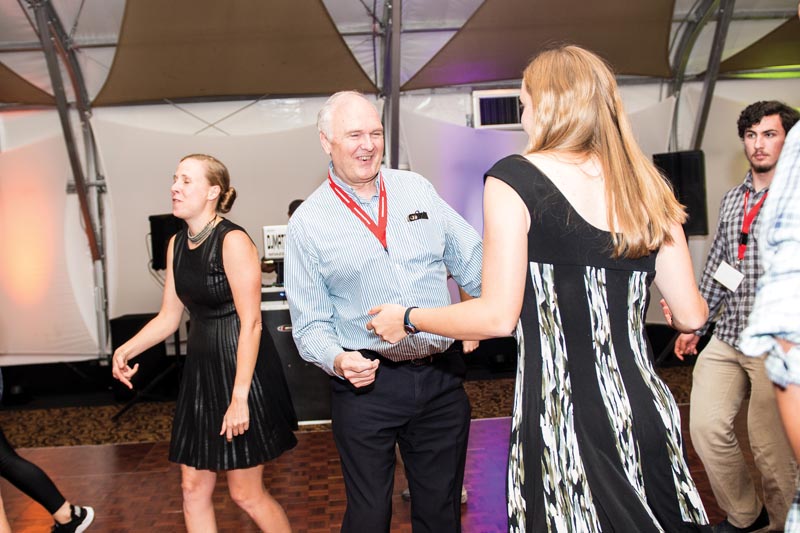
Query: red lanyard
x,y
379,229
747,222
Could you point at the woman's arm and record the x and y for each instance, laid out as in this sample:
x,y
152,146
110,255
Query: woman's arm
x,y
505,259
240,259
676,283
159,328
467,346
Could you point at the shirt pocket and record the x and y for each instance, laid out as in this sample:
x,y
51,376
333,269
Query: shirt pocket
x,y
424,240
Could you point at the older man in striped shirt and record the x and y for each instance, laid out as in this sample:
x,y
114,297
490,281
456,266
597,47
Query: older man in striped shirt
x,y
366,236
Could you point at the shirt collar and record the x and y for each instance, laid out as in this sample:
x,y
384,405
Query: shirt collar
x,y
348,189
748,184
748,181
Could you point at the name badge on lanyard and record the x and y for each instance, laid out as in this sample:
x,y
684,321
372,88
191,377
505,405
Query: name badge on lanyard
x,y
730,277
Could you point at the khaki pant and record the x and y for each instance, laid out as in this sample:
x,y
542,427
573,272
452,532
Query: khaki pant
x,y
721,379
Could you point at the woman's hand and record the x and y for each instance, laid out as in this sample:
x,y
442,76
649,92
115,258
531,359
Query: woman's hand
x,y
387,322
237,418
120,369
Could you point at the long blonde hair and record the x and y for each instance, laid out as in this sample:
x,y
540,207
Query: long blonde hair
x,y
576,108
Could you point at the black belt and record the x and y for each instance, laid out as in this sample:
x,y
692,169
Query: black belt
x,y
419,361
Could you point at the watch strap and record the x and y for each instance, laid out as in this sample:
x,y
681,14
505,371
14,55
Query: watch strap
x,y
407,325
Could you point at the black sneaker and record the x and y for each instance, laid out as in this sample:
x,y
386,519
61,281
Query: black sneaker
x,y
762,522
81,518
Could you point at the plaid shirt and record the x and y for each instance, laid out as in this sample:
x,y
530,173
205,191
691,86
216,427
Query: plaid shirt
x,y
733,307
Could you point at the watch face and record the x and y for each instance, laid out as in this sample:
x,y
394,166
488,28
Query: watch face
x,y
409,329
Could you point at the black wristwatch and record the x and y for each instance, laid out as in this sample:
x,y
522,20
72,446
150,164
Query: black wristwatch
x,y
410,328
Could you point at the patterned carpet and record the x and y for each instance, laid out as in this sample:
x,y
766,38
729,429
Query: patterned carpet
x,y
151,421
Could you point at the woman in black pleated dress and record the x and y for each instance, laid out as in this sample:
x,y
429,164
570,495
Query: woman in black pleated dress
x,y
575,230
233,411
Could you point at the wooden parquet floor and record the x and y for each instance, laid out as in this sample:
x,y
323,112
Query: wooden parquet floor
x,y
133,487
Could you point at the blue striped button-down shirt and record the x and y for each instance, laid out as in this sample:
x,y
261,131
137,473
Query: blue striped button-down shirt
x,y
776,312
336,270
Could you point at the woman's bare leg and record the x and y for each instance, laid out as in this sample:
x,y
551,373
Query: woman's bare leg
x,y
247,490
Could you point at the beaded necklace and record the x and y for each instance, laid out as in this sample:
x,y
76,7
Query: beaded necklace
x,y
203,233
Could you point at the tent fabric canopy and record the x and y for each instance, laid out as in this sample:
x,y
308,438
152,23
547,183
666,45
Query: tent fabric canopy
x,y
778,48
204,50
502,35
212,49
14,89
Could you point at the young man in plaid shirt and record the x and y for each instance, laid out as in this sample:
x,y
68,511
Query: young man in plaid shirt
x,y
723,374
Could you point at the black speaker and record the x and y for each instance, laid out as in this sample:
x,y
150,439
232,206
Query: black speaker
x,y
687,173
309,385
162,227
151,362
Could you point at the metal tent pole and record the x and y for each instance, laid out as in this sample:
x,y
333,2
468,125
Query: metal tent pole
x,y
391,81
55,42
714,60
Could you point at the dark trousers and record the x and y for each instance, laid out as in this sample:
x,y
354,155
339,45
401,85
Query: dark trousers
x,y
425,411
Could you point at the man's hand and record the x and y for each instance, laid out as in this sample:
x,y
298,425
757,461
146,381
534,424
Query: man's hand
x,y
356,368
387,322
686,343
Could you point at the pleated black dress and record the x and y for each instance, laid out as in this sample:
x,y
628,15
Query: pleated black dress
x,y
595,440
210,368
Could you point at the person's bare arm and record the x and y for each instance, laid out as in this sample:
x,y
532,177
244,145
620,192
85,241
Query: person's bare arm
x,y
240,260
676,283
467,346
159,328
505,259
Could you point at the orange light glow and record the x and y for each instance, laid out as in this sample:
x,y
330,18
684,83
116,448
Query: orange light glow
x,y
27,242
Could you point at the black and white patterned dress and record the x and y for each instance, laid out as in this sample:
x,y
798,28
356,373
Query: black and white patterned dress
x,y
595,439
